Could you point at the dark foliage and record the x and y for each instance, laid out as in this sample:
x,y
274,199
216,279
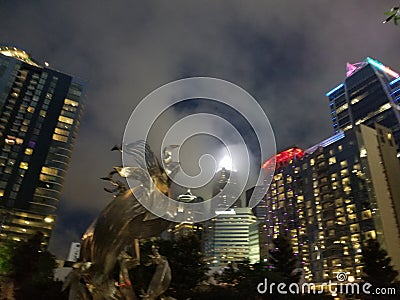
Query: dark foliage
x,y
283,260
31,267
377,269
186,262
243,279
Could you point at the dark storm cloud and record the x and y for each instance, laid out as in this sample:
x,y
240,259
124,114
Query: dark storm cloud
x,y
287,54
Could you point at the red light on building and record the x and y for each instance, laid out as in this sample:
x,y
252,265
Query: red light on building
x,y
284,158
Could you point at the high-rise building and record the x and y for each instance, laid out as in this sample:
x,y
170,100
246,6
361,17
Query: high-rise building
x,y
370,93
232,235
281,211
188,226
333,197
40,109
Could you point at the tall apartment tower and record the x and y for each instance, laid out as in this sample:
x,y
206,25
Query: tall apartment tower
x,y
332,198
40,109
369,94
281,211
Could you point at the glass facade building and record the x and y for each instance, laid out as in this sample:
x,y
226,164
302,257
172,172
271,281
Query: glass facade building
x,y
370,93
40,109
333,197
232,235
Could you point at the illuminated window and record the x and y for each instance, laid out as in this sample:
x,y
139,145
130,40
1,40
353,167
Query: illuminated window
x,y
354,227
363,152
24,165
10,141
28,151
65,120
335,185
355,237
44,177
60,138
31,109
70,102
300,199
346,181
341,221
366,214
370,234
43,113
340,148
332,160
339,212
343,163
49,171
347,190
61,131
352,217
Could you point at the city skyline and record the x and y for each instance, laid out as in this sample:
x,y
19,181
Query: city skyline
x,y
127,51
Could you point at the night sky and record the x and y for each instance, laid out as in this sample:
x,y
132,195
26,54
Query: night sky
x,y
286,54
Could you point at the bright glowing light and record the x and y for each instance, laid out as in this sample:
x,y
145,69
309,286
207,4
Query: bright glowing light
x,y
335,89
350,69
226,163
225,212
382,67
284,158
49,220
394,81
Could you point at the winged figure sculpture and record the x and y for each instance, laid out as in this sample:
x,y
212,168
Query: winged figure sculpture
x,y
120,226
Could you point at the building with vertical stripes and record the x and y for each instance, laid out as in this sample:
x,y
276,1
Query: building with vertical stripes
x,y
40,109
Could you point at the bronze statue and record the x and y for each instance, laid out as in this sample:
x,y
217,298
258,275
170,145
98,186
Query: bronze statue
x,y
120,225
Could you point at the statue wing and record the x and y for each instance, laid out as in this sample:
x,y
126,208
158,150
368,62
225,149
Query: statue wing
x,y
124,217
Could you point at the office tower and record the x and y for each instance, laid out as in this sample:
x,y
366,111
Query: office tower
x,y
187,227
342,192
370,93
40,109
232,235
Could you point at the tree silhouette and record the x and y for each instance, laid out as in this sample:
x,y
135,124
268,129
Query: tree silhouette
x,y
377,269
283,260
185,260
31,268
